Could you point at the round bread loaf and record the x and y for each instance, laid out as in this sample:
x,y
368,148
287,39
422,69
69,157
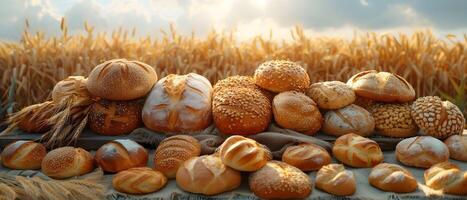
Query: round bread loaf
x,y
139,180
296,111
457,145
349,119
72,85
363,102
331,94
281,75
120,155
241,111
393,120
240,82
447,177
120,79
357,151
382,86
437,118
244,154
421,151
336,180
173,151
279,180
114,117
178,104
67,162
306,157
37,122
207,175
392,178
23,155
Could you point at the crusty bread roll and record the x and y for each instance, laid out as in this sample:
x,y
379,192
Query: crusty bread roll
x,y
23,155
392,178
243,154
173,151
437,118
280,76
279,180
121,154
331,94
179,103
382,86
240,82
363,102
207,175
306,157
139,180
447,177
37,122
296,111
393,120
120,79
114,117
421,151
349,119
75,85
457,145
336,180
67,162
357,151
241,111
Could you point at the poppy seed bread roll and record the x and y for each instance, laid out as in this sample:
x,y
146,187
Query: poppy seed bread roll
x,y
114,117
66,162
23,155
244,154
121,154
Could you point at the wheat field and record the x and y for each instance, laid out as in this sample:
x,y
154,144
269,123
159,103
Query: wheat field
x,y
31,67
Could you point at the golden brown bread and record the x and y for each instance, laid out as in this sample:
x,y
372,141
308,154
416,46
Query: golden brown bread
x,y
139,180
243,154
421,151
457,145
173,151
279,180
179,104
336,180
120,79
37,122
296,111
207,175
393,120
281,75
72,85
240,82
120,155
357,151
392,178
349,119
447,177
23,155
306,157
114,117
331,94
67,162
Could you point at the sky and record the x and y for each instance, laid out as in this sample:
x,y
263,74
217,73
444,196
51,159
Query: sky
x,y
246,18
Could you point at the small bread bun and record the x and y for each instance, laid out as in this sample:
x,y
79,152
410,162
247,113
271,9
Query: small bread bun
x,y
242,111
447,177
280,76
121,80
306,157
179,104
240,82
336,180
331,94
139,180
23,155
279,180
357,151
437,118
457,145
393,120
244,154
392,178
37,122
71,85
421,151
173,151
349,119
114,117
207,175
121,154
67,162
296,111
382,86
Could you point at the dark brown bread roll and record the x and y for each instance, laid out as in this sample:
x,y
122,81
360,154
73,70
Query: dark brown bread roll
x,y
121,154
114,117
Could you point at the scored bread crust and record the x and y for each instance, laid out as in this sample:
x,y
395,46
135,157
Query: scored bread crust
x,y
421,151
67,162
306,157
349,119
336,180
331,94
114,117
457,145
281,75
392,178
120,155
447,177
244,154
23,155
139,180
357,151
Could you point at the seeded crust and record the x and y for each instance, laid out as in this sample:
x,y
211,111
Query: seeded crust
x,y
23,155
392,178
306,157
71,85
280,75
139,180
393,120
67,162
437,118
244,154
336,180
331,94
240,82
114,117
114,157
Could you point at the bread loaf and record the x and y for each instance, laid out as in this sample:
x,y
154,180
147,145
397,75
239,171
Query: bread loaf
x,y
37,120
173,151
207,175
280,76
331,94
392,178
72,85
393,120
139,180
421,151
243,154
349,119
457,145
114,117
178,104
240,82
357,151
336,180
67,162
120,155
447,177
23,155
306,157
